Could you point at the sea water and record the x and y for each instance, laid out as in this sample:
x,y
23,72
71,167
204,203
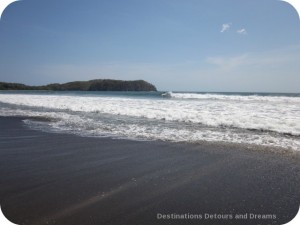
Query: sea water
x,y
261,119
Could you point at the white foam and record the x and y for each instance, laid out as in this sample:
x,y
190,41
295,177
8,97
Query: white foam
x,y
175,119
257,98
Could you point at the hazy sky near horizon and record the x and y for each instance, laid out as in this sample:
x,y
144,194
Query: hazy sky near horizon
x,y
183,45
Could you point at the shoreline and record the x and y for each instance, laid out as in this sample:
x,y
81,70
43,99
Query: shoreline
x,y
59,178
210,144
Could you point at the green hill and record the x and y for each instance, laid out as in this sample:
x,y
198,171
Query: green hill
x,y
92,85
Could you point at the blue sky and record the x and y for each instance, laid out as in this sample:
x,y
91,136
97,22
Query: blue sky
x,y
183,45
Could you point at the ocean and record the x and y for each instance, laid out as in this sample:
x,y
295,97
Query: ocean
x,y
269,120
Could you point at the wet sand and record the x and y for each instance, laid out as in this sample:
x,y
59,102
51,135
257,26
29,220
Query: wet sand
x,y
48,178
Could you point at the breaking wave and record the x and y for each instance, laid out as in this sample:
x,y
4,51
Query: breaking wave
x,y
252,119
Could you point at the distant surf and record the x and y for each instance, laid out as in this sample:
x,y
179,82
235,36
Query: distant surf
x,y
265,119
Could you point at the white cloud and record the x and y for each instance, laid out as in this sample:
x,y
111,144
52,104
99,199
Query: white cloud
x,y
278,57
242,31
225,27
275,70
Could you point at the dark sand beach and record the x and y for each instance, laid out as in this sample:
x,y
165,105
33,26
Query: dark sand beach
x,y
51,178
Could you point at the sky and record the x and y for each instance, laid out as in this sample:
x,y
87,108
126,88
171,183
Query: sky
x,y
178,45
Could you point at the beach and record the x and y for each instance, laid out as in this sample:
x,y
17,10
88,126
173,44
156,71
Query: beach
x,y
149,112
57,178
